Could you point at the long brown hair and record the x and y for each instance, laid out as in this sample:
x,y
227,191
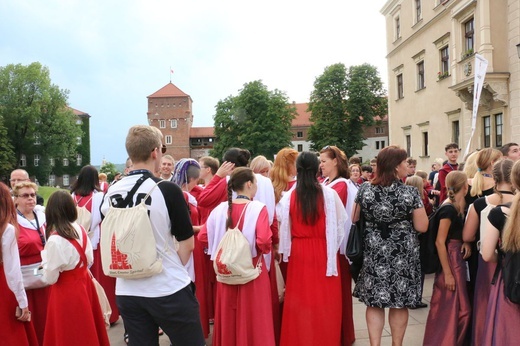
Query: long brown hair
x,y
511,235
455,181
334,152
7,213
60,213
285,159
387,161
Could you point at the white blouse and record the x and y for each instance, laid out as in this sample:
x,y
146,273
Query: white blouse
x,y
11,259
60,255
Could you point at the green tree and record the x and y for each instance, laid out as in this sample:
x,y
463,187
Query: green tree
x,y
109,169
7,158
257,119
36,116
343,103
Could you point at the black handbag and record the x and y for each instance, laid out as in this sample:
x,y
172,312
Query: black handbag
x,y
354,250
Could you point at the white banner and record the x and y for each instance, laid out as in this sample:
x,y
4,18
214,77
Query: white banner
x,y
480,74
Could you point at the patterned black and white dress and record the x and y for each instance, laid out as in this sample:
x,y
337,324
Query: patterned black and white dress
x,y
391,272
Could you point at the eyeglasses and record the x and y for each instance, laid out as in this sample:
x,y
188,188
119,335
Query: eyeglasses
x,y
17,180
26,195
163,149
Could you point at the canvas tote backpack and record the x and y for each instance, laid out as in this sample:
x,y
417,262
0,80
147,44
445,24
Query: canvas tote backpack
x,y
128,248
84,214
233,264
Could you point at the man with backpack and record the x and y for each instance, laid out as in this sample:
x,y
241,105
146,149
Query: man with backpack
x,y
167,297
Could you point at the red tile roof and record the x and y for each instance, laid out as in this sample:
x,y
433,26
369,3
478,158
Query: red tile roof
x,y
78,112
169,90
302,117
202,132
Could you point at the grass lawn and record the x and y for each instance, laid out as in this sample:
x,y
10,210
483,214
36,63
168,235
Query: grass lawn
x,y
46,191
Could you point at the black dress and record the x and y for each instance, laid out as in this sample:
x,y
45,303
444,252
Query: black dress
x,y
391,275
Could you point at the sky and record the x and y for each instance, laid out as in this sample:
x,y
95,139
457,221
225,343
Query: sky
x,y
112,54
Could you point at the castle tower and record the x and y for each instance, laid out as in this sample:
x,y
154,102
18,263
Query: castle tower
x,y
169,109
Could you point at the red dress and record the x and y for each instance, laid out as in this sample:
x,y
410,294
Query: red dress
x,y
12,331
312,307
347,321
74,315
200,268
30,246
243,314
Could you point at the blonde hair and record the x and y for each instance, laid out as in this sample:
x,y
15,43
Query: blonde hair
x,y
422,174
259,163
511,234
417,182
24,184
484,159
102,176
141,141
455,181
285,159
470,165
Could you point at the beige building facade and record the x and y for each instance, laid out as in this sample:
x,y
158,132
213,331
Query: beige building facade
x,y
431,47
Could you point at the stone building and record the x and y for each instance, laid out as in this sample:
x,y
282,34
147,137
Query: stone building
x,y
431,49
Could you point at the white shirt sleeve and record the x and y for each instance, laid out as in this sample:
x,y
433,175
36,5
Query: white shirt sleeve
x,y
60,255
11,259
97,199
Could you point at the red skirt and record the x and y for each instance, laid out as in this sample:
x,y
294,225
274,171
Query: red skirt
x,y
74,315
108,283
12,331
199,264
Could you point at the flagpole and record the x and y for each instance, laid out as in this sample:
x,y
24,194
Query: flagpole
x,y
170,74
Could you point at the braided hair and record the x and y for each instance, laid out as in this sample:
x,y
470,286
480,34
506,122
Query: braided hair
x,y
237,181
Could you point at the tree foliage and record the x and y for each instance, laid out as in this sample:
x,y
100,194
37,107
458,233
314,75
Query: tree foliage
x,y
36,117
257,119
109,169
343,103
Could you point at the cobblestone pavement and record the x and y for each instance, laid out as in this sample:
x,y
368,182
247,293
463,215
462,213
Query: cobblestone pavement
x,y
413,337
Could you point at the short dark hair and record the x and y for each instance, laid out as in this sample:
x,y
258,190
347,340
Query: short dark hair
x,y
451,146
506,147
366,168
240,157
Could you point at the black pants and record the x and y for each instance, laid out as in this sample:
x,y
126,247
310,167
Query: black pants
x,y
177,314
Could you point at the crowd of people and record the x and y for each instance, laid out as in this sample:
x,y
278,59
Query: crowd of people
x,y
295,213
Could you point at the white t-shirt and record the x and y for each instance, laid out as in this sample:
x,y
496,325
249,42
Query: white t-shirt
x,y
169,216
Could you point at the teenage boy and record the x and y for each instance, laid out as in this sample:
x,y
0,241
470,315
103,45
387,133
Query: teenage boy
x,y
166,299
366,173
452,153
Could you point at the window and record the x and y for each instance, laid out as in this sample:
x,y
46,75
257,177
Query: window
x,y
168,139
78,140
23,161
65,162
377,145
498,130
425,144
420,75
455,131
397,28
299,134
469,34
79,121
380,145
162,124
418,13
173,123
380,130
445,60
400,91
52,162
37,139
37,159
66,180
409,145
79,159
486,125
300,148
52,180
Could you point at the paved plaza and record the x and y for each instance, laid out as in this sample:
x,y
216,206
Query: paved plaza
x,y
413,337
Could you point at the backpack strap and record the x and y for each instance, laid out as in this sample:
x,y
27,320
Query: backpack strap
x,y
242,214
81,197
131,194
